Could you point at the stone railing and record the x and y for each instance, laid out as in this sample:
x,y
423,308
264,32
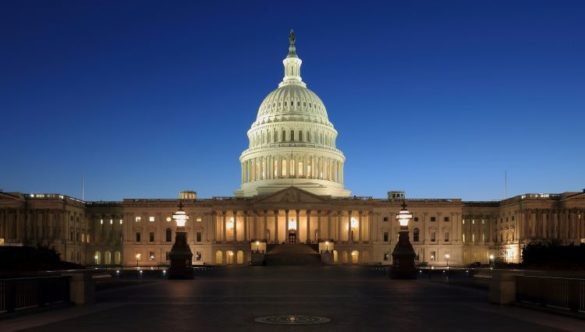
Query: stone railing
x,y
28,292
555,293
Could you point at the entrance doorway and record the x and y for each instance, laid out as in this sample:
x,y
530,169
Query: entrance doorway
x,y
292,237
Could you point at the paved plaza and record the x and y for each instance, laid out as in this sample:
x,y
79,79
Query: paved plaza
x,y
351,298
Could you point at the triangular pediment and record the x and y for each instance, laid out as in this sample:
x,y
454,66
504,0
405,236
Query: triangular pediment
x,y
291,195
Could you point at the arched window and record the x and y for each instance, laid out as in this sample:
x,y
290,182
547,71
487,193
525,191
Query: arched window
x,y
416,235
218,257
229,257
240,257
108,258
355,257
168,235
117,258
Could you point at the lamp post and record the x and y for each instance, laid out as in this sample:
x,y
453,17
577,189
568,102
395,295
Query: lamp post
x,y
447,256
403,254
180,254
137,259
492,261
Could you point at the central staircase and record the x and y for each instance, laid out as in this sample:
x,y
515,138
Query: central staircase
x,y
292,254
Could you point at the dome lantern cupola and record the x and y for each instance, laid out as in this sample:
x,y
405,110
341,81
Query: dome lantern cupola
x,y
292,64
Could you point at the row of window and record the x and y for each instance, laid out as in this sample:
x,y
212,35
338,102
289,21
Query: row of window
x,y
432,219
139,219
168,236
416,236
266,137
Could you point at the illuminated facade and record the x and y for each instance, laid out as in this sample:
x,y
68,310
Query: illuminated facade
x,y
291,192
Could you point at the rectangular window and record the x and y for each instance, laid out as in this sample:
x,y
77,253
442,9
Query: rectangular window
x,y
151,255
385,219
415,218
151,218
446,219
138,219
151,236
137,236
167,256
433,237
433,255
198,236
198,219
433,219
385,236
446,236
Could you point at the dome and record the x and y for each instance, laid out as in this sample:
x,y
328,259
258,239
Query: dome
x,y
293,103
292,141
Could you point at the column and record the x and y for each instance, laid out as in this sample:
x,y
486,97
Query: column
x,y
308,226
328,224
246,226
235,229
265,228
338,225
276,226
298,223
349,231
224,223
360,220
285,225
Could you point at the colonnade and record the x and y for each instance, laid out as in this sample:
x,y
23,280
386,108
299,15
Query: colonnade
x,y
567,225
306,226
306,166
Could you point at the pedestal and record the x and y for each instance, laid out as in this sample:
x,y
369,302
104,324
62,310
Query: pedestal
x,y
181,257
403,258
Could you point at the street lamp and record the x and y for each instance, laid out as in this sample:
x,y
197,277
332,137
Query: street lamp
x,y
492,261
137,259
403,254
180,254
447,256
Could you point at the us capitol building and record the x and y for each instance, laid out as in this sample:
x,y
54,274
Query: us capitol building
x,y
292,195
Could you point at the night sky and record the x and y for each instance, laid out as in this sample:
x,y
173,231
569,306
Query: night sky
x,y
147,98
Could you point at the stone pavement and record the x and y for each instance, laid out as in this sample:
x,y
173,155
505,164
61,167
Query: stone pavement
x,y
353,298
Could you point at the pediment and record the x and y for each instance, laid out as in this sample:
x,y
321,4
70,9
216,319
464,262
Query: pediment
x,y
291,195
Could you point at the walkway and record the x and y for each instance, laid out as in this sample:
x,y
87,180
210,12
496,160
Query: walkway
x,y
353,298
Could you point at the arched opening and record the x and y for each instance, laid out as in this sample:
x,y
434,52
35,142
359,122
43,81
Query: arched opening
x,y
240,257
108,258
229,257
117,258
218,257
344,257
335,257
97,258
365,257
355,257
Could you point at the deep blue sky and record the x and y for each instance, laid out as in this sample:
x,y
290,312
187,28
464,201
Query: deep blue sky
x,y
147,98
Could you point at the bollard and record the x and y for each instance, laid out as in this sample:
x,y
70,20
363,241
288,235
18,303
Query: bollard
x,y
502,288
81,288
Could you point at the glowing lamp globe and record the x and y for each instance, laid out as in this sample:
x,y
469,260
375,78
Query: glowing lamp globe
x,y
404,216
180,217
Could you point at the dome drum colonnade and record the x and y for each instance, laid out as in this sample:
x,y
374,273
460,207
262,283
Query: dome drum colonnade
x,y
292,141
